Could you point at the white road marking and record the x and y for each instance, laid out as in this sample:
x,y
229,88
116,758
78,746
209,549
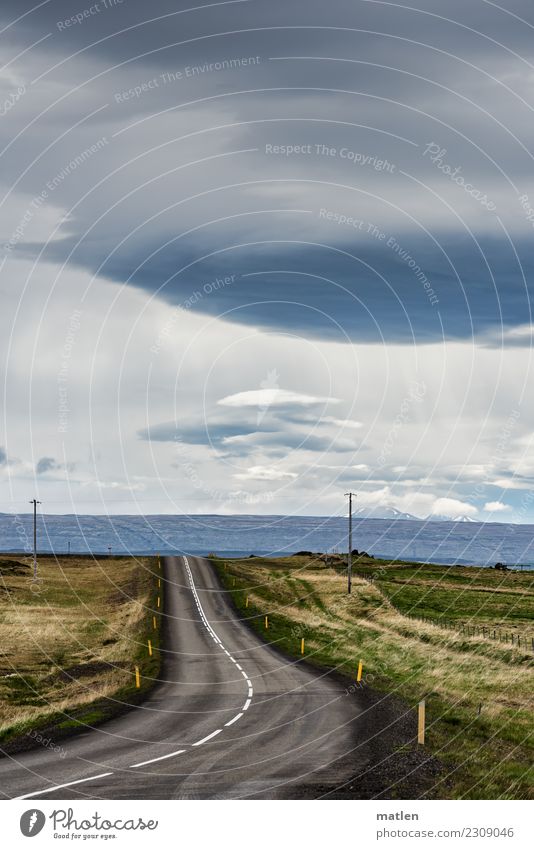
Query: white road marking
x,y
205,739
162,758
239,715
60,786
214,637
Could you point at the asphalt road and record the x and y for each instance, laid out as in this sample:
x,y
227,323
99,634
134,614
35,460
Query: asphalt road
x,y
231,718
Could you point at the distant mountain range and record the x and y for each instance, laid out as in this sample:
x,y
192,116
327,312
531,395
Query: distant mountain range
x,y
433,518
384,512
381,512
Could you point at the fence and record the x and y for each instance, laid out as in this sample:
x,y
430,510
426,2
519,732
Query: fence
x,y
526,642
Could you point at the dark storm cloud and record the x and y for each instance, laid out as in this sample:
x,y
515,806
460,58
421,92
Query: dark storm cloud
x,y
240,440
445,265
201,434
277,444
403,289
46,464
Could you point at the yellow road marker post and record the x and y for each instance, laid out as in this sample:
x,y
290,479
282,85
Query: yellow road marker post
x,y
266,622
150,648
302,646
159,583
360,671
246,603
154,624
159,601
137,677
421,723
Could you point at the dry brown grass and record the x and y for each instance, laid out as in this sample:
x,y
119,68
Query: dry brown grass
x,y
71,638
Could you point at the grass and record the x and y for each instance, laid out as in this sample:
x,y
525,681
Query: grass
x,y
71,641
461,595
477,691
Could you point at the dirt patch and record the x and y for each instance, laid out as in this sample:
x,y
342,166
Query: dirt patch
x,y
14,567
85,670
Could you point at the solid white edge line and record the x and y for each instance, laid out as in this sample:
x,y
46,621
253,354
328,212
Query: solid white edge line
x,y
153,761
205,739
239,715
60,786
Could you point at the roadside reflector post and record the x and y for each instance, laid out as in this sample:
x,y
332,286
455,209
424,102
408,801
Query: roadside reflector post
x,y
302,646
266,622
421,723
159,601
360,671
233,582
159,583
137,677
150,647
154,623
246,603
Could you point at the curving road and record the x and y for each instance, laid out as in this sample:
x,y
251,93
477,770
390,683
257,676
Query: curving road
x,y
231,718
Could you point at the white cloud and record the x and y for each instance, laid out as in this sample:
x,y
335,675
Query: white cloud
x,y
264,473
341,422
496,506
453,507
273,398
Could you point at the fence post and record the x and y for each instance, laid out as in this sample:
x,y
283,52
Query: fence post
x,y
421,723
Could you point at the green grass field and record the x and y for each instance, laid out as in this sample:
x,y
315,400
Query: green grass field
x,y
70,643
489,599
478,691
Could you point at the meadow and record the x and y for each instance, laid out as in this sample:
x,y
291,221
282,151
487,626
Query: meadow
x,y
70,642
404,623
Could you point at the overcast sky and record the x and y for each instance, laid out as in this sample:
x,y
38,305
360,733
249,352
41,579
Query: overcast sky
x,y
256,253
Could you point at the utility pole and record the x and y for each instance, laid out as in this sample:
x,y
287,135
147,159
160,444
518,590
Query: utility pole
x,y
349,559
35,503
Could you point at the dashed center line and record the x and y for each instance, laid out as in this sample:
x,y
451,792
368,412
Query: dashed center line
x,y
205,739
60,786
161,758
238,716
216,639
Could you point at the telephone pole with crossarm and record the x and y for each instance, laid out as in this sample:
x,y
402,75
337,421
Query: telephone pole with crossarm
x,y
349,559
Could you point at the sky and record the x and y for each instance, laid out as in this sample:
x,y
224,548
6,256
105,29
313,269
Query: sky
x,y
255,254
